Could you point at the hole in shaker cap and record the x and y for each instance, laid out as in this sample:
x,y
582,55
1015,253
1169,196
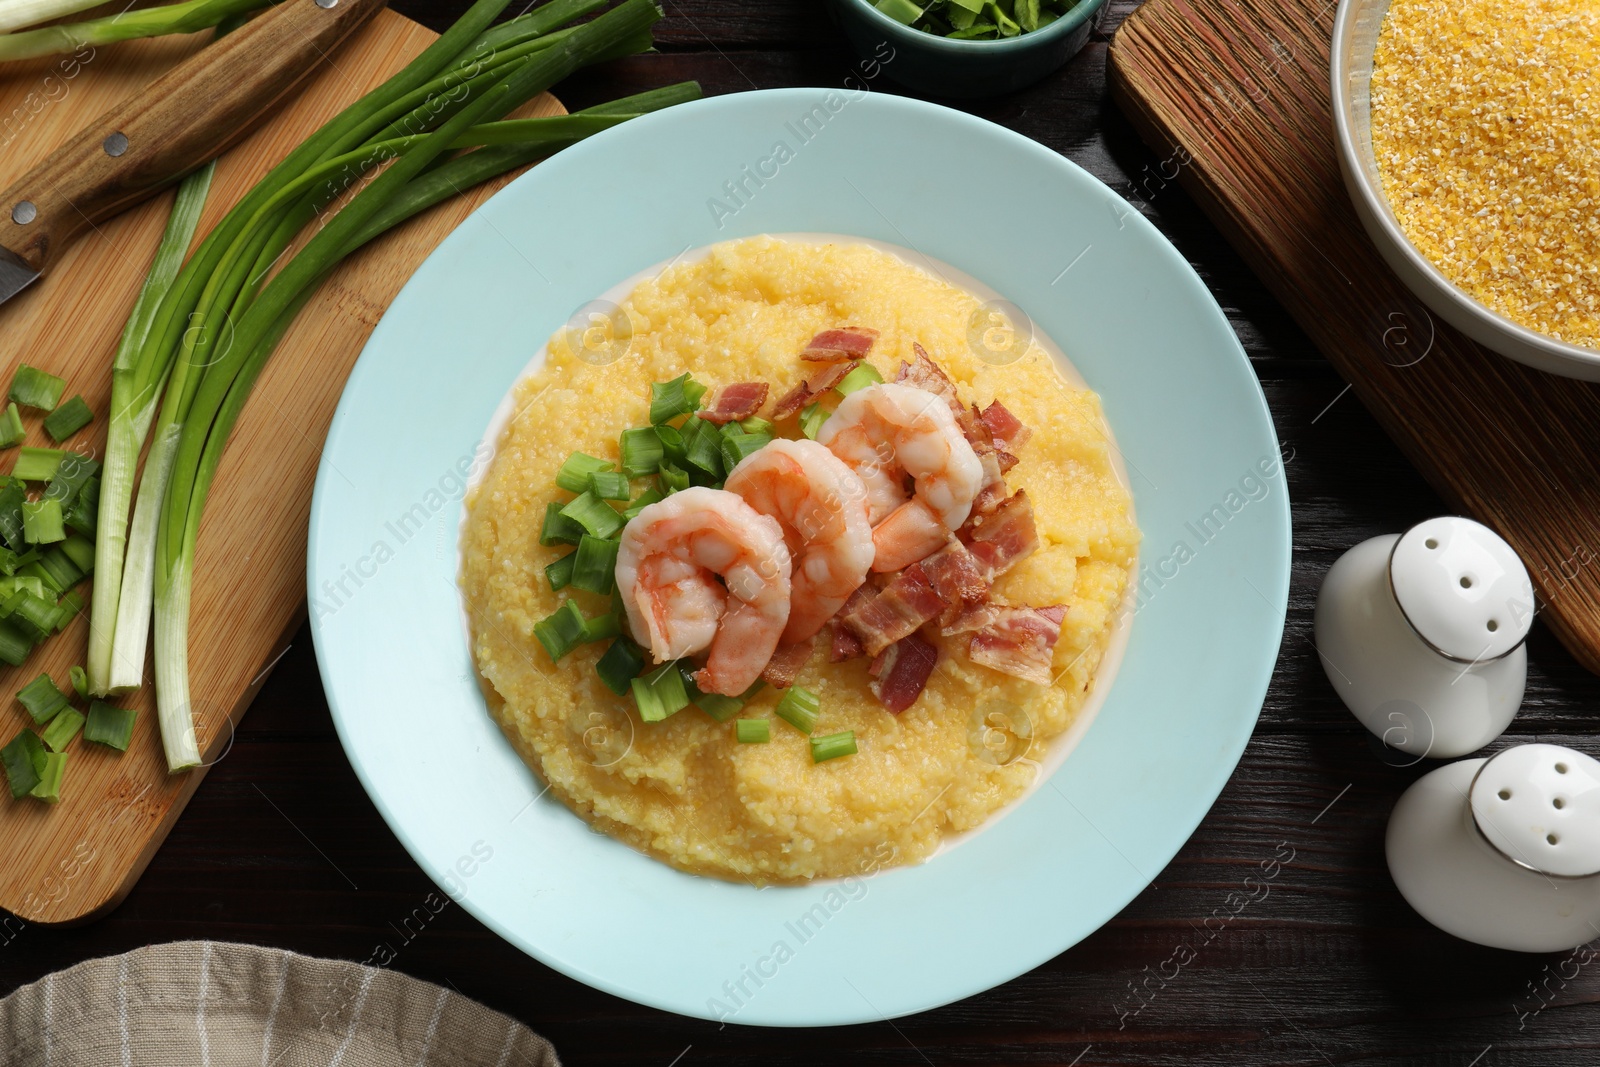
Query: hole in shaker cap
x,y
1559,802
1561,768
1493,625
1552,838
1431,543
1466,583
1505,794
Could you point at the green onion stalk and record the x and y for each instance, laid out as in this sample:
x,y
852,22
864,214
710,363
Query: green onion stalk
x,y
211,375
189,17
16,14
122,622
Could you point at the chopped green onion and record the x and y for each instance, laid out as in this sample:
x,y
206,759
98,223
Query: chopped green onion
x,y
596,565
24,760
83,515
558,529
22,583
672,449
680,396
68,609
593,514
62,729
560,572
900,10
752,731
800,708
41,699
675,480
642,501
716,705
574,473
811,420
641,451
35,616
33,388
64,574
602,627
49,787
80,550
80,682
73,473
750,425
660,693
12,494
37,464
14,644
619,665
832,746
702,442
68,419
109,726
737,446
609,485
864,375
48,586
11,429
41,521
561,632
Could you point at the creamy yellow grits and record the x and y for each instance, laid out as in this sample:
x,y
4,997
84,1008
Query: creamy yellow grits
x,y
683,790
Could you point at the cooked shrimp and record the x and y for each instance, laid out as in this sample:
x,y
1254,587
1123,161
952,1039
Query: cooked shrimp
x,y
888,431
672,552
822,507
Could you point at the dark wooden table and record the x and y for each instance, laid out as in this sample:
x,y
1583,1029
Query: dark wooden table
x,y
282,847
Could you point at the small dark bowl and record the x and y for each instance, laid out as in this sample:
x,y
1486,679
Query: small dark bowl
x,y
938,66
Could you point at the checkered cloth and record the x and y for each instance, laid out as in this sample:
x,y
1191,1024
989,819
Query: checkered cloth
x,y
205,1003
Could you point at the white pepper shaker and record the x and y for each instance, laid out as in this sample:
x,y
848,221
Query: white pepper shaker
x,y
1422,634
1504,851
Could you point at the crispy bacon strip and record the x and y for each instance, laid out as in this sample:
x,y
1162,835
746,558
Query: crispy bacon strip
x,y
1005,429
901,671
786,663
814,386
1003,536
849,342
958,578
907,602
1019,641
734,402
928,376
844,644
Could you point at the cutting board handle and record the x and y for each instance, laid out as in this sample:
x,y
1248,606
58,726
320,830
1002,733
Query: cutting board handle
x,y
191,114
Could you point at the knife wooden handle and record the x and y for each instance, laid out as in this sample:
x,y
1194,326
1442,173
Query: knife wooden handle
x,y
191,114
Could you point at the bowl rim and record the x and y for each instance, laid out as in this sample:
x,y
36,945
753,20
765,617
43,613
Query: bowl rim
x,y
1020,43
1436,287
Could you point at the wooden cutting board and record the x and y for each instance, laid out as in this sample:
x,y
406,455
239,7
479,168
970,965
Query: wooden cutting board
x,y
78,859
1233,95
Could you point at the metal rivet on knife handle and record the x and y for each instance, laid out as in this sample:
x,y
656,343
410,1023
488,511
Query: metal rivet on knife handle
x,y
115,144
24,213
327,4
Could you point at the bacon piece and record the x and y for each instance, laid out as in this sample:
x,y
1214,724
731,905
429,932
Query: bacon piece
x,y
896,610
732,403
844,643
992,490
1003,536
901,671
1005,429
958,578
814,386
1006,459
849,342
1019,641
928,376
785,664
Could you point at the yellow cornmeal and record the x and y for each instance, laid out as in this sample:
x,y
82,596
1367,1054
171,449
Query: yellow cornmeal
x,y
1486,129
683,789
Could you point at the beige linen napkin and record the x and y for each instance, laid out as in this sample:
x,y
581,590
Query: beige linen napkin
x,y
207,1003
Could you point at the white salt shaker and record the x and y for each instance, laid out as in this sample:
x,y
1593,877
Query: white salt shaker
x,y
1504,851
1422,633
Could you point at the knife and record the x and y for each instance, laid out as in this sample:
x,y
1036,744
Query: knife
x,y
188,116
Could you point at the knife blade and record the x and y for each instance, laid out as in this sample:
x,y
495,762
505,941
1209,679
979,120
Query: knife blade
x,y
188,116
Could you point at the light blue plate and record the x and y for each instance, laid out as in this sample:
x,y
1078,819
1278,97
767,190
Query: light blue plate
x,y
1180,396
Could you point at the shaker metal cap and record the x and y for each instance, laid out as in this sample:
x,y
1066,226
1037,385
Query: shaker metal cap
x,y
1540,806
1462,588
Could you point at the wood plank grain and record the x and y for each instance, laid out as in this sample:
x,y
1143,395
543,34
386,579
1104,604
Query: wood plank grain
x,y
1234,97
75,860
